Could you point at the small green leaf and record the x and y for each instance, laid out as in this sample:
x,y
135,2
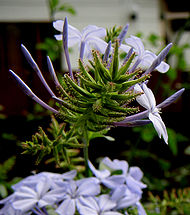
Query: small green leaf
x,y
172,136
67,8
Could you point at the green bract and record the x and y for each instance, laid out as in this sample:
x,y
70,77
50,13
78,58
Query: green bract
x,y
100,94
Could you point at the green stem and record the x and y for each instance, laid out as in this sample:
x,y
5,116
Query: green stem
x,y
65,156
85,151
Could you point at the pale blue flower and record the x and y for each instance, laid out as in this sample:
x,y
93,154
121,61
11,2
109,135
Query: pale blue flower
x,y
74,191
87,39
147,100
8,208
125,198
101,205
140,208
104,176
144,57
138,119
132,175
26,198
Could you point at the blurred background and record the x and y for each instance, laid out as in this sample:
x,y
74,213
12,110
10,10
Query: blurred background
x,y
156,22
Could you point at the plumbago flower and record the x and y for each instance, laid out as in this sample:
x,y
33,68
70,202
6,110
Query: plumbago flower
x,y
91,100
126,187
73,192
68,196
102,205
35,192
103,97
132,175
87,39
147,100
144,58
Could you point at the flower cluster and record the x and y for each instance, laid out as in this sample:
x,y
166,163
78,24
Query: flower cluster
x,y
98,95
104,193
91,100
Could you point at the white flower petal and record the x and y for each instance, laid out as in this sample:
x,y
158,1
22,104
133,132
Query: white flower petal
x,y
73,40
148,59
133,185
88,188
137,44
24,204
89,202
42,203
96,32
72,31
141,210
42,187
98,173
111,213
159,126
118,192
58,36
125,48
163,67
88,28
105,203
67,207
106,163
93,30
25,192
136,173
113,181
58,25
83,210
142,99
96,43
128,200
150,96
69,175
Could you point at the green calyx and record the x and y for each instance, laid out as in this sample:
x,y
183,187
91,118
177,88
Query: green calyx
x,y
101,92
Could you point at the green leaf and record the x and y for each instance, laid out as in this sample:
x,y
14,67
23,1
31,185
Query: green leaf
x,y
53,4
67,8
115,65
8,136
172,137
147,133
172,74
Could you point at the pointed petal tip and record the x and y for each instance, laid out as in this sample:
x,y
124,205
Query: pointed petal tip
x,y
65,23
170,44
23,48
